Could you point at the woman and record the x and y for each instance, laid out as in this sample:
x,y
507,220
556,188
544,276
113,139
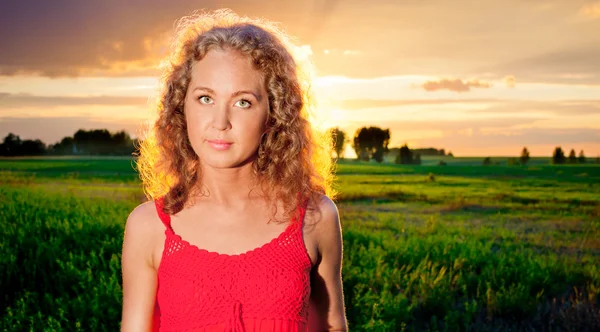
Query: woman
x,y
240,234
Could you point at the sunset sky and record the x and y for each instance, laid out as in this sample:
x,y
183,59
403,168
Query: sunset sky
x,y
474,77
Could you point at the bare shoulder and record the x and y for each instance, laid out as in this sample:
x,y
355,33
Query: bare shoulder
x,y
141,230
323,210
144,217
323,215
139,273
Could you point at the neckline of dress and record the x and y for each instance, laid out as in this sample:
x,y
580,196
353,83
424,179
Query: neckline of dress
x,y
169,230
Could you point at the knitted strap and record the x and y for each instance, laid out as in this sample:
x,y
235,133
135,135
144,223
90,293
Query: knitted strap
x,y
302,207
164,217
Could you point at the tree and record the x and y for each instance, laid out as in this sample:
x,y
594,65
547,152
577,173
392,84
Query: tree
x,y
339,141
10,145
572,157
32,148
558,157
524,156
450,154
371,142
406,156
581,159
423,151
121,143
487,161
65,147
94,142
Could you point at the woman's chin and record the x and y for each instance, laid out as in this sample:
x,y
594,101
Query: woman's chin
x,y
224,162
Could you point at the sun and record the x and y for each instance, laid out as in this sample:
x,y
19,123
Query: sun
x,y
331,117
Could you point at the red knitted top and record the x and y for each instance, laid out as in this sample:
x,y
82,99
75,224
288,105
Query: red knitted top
x,y
264,289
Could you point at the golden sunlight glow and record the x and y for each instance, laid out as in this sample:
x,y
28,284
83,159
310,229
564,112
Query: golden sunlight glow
x,y
591,10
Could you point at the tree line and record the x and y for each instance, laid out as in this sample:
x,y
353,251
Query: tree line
x,y
558,158
372,143
369,143
96,142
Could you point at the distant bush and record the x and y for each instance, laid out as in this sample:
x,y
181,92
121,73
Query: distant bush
x,y
558,157
581,159
524,159
487,161
407,157
513,161
572,157
442,163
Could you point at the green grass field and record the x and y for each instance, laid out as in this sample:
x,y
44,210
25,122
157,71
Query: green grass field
x,y
461,247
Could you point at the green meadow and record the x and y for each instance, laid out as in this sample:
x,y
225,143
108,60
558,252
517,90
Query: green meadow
x,y
461,247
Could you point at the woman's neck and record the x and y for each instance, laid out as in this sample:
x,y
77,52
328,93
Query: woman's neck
x,y
229,186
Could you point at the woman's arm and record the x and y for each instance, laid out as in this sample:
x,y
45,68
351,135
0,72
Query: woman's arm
x,y
139,275
326,311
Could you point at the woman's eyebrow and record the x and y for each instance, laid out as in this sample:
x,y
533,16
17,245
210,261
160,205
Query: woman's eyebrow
x,y
242,92
235,94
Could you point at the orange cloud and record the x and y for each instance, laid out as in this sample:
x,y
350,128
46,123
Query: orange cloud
x,y
509,81
591,10
358,104
21,100
456,85
118,39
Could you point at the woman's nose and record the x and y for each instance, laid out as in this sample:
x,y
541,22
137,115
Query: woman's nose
x,y
221,118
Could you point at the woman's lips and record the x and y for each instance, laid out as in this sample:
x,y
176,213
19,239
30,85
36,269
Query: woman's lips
x,y
219,144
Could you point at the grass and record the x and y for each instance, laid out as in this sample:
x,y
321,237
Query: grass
x,y
462,247
60,261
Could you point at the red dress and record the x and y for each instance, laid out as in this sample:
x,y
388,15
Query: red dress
x,y
264,289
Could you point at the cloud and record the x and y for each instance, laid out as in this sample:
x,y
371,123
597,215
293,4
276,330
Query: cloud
x,y
351,52
521,137
73,38
116,38
91,38
560,107
509,81
591,10
456,85
573,65
358,104
489,105
8,100
454,126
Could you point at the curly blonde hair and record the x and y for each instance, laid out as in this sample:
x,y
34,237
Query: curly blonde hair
x,y
293,163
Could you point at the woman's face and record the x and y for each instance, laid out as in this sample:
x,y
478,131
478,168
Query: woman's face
x,y
226,109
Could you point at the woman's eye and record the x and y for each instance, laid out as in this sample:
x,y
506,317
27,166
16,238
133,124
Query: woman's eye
x,y
243,103
205,100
